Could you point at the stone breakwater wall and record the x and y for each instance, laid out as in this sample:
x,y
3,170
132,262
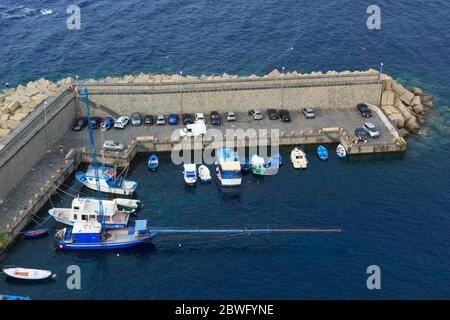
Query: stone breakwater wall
x,y
406,109
174,94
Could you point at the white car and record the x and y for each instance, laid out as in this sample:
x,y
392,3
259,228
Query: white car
x,y
193,130
371,130
231,116
256,114
160,120
113,145
121,122
199,118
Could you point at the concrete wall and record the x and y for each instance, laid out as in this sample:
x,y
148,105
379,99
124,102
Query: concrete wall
x,y
338,96
17,167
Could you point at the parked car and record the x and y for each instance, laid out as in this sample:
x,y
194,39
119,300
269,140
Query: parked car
x,y
371,130
284,115
272,114
256,114
199,118
96,122
149,120
187,118
172,119
160,120
231,116
121,122
215,118
79,124
113,145
364,110
360,134
107,123
309,112
193,130
136,119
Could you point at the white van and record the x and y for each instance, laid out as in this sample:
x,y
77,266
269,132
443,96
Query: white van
x,y
121,122
193,130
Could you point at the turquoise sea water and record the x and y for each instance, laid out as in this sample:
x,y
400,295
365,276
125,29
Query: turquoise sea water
x,y
394,211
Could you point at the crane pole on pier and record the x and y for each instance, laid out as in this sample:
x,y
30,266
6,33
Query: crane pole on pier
x,y
84,97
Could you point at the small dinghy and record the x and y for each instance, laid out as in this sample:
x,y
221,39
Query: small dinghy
x,y
245,164
190,173
322,153
27,274
275,161
298,159
153,162
36,233
340,151
204,174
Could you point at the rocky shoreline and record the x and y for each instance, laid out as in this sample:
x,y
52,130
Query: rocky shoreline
x,y
405,108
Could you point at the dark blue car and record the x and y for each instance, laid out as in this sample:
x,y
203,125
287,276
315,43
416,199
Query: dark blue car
x,y
107,123
173,119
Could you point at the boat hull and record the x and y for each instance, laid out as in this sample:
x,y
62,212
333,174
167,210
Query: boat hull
x,y
63,245
104,187
36,233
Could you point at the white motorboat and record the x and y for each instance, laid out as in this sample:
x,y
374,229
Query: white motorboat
x,y
107,181
228,170
116,212
204,174
258,164
298,159
340,151
27,274
190,173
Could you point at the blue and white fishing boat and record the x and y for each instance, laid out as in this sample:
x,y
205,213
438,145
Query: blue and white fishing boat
x,y
341,152
245,164
190,173
153,162
228,168
108,183
322,153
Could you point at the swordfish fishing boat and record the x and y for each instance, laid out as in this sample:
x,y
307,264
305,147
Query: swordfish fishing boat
x,y
116,212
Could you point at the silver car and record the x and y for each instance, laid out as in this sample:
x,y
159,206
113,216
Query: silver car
x,y
231,116
160,120
371,130
113,145
256,114
309,113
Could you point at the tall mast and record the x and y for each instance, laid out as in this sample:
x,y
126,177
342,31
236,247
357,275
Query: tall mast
x,y
84,97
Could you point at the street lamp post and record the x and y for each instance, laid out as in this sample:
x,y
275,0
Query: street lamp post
x,y
181,93
379,84
282,87
45,123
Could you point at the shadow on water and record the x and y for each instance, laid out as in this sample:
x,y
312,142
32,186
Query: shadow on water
x,y
383,157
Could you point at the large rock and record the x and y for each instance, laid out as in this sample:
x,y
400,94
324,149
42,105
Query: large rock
x,y
418,108
387,99
274,74
412,125
397,119
416,101
19,116
13,106
407,97
142,78
128,79
417,91
389,110
4,132
427,101
403,132
405,111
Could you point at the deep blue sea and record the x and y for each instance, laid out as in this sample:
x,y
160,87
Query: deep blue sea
x,y
394,210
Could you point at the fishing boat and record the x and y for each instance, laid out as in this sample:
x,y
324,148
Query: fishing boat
x,y
93,236
275,161
27,274
340,151
35,233
245,164
228,170
204,174
87,209
153,162
190,173
322,153
298,159
12,297
107,183
258,165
